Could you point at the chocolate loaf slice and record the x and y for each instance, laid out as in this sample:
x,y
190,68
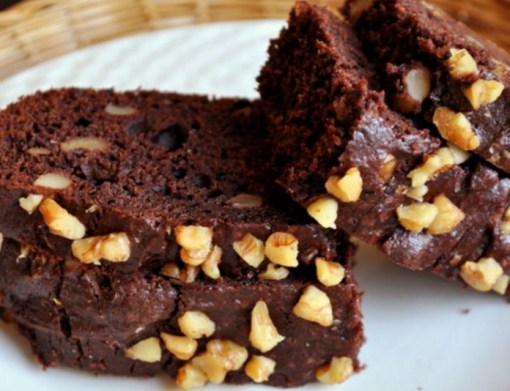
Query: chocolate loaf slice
x,y
440,73
357,165
108,321
129,215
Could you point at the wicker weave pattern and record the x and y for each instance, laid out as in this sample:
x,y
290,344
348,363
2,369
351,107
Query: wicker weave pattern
x,y
37,30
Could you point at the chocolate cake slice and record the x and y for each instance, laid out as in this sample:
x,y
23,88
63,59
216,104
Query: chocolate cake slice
x,y
440,73
359,166
142,232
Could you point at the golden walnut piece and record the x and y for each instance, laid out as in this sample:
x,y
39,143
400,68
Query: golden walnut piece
x,y
338,370
181,347
325,211
194,237
505,223
263,334
461,64
455,127
53,181
282,248
440,160
314,305
148,350
483,92
418,216
481,275
250,249
30,203
329,273
347,188
60,221
189,377
196,324
447,218
259,368
115,247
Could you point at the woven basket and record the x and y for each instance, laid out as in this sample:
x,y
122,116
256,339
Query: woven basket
x,y
37,30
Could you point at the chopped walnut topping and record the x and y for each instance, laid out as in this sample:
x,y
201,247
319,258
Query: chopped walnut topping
x,y
91,144
188,274
417,216
250,249
210,265
505,223
329,273
242,201
39,151
60,221
282,249
459,156
194,237
417,84
483,92
388,167
325,211
437,162
119,110
338,370
148,350
347,188
181,347
263,335
461,64
196,324
481,275
314,306
501,285
417,193
274,272
455,127
30,203
53,181
115,247
259,368
188,376
171,270
448,216
194,257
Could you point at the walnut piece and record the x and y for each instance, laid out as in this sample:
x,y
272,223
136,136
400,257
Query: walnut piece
x,y
347,188
388,166
148,350
483,92
338,370
282,248
481,275
188,376
210,265
53,181
447,218
194,257
437,162
263,334
501,285
38,151
115,247
194,237
196,325
119,110
188,274
459,156
259,368
505,223
417,216
60,221
91,144
274,272
325,211
242,201
181,347
417,193
314,305
329,273
455,127
250,249
461,64
30,203
417,85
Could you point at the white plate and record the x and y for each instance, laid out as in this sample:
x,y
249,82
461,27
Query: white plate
x,y
423,333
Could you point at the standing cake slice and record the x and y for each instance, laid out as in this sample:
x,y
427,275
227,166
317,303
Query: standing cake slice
x,y
359,166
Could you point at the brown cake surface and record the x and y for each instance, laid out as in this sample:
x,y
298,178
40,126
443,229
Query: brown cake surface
x,y
440,73
357,165
122,212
